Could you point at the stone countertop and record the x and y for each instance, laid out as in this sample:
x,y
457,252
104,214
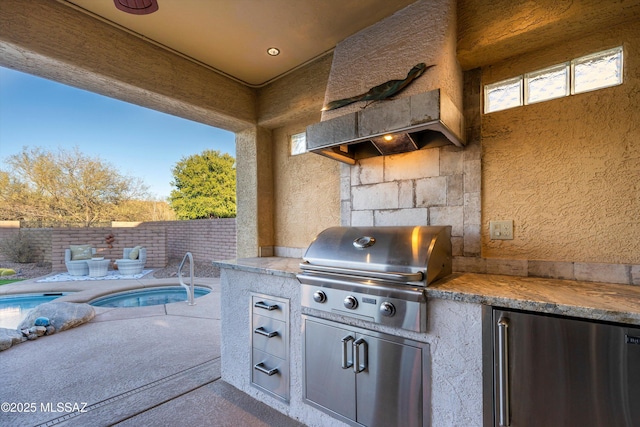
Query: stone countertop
x,y
590,300
275,266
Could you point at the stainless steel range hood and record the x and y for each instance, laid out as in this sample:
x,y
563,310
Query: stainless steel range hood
x,y
425,120
426,113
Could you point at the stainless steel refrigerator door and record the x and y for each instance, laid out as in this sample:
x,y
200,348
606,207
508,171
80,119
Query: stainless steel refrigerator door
x,y
565,372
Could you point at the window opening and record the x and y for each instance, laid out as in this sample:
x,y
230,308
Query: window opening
x,y
591,72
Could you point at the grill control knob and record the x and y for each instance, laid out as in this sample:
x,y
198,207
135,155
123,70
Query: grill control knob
x,y
387,309
319,296
351,302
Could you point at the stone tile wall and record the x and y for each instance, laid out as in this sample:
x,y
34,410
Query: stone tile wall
x,y
436,186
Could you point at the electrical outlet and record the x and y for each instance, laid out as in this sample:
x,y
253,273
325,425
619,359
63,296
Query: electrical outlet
x,y
501,230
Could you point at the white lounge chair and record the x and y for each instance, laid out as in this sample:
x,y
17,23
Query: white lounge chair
x,y
130,263
75,258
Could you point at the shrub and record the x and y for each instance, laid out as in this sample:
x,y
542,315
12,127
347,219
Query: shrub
x,y
17,248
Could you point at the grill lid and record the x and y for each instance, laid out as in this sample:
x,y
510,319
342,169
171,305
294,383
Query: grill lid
x,y
401,254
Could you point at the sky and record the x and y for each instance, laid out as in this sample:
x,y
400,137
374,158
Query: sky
x,y
136,141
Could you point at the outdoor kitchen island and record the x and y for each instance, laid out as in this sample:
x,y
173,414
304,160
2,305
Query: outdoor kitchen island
x,y
454,329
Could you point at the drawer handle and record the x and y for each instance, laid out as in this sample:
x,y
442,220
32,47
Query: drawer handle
x,y
260,367
266,305
263,332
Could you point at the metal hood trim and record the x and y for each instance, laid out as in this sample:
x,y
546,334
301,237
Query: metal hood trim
x,y
429,119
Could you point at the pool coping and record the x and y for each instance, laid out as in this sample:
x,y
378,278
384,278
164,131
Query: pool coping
x,y
86,291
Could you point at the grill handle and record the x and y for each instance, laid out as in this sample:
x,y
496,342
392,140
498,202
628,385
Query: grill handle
x,y
394,276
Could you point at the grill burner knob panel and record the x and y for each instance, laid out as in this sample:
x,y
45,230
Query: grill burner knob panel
x,y
319,296
387,309
351,302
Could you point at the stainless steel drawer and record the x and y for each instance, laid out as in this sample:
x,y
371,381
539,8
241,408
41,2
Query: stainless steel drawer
x,y
269,307
270,373
269,335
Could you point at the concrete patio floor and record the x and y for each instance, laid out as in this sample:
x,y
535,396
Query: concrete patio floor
x,y
146,366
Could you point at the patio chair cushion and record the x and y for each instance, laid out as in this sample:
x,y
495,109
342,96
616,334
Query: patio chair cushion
x,y
135,252
80,252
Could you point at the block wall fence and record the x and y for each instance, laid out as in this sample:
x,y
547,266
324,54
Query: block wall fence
x,y
207,240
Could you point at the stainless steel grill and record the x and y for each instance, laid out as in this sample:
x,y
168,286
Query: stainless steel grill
x,y
377,274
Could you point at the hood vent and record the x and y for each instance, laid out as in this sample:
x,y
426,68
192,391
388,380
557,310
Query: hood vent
x,y
422,111
402,125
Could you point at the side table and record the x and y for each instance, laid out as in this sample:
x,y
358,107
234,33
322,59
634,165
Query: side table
x,y
98,267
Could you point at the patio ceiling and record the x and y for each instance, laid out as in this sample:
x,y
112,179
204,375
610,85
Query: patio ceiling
x,y
233,36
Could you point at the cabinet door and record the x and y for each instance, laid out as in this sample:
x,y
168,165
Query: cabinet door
x,y
393,380
326,382
565,372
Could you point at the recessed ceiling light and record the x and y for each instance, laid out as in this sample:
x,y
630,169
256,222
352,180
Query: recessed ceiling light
x,y
273,51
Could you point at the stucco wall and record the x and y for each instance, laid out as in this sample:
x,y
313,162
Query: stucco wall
x,y
424,31
307,191
489,32
306,187
567,171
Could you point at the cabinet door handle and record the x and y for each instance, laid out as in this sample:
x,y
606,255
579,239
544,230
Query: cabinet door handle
x,y
266,305
357,367
263,331
503,372
260,367
346,363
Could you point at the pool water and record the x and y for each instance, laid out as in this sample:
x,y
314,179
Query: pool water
x,y
14,308
146,297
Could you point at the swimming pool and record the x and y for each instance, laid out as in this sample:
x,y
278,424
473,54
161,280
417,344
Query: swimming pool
x,y
148,296
14,308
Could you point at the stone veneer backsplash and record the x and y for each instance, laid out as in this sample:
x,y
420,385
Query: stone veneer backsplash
x,y
435,186
425,187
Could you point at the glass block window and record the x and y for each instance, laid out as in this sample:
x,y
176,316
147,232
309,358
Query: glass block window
x,y
502,95
597,71
591,72
298,143
549,83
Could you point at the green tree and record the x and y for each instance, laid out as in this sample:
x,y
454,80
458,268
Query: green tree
x,y
205,186
67,186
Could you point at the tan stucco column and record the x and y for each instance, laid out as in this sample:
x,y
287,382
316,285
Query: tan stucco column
x,y
254,192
